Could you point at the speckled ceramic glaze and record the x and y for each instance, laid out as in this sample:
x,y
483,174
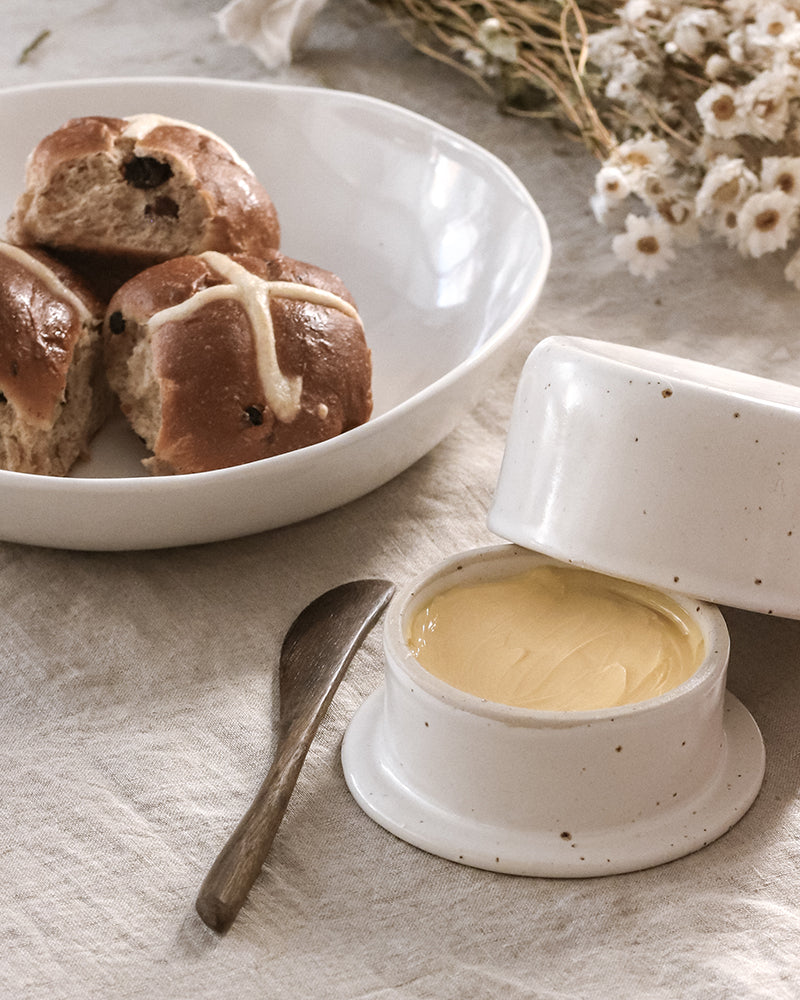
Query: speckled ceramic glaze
x,y
669,472
561,794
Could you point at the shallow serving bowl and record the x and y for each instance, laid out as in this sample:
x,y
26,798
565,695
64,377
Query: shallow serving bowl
x,y
441,245
549,793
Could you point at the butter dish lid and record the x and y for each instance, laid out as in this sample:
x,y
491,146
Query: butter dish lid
x,y
666,471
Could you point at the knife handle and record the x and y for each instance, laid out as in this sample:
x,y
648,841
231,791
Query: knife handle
x,y
236,867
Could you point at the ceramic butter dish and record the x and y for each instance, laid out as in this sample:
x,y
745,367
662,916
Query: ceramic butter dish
x,y
638,470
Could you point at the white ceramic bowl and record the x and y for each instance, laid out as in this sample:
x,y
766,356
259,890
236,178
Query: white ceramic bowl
x,y
561,794
657,469
441,245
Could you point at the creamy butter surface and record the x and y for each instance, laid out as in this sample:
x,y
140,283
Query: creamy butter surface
x,y
558,639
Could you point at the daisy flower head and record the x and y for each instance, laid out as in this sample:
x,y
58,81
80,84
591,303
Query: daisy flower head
x,y
641,15
765,103
606,48
678,212
645,246
781,173
611,190
720,111
643,156
612,183
775,27
740,12
728,183
774,18
767,221
671,200
649,15
693,30
625,78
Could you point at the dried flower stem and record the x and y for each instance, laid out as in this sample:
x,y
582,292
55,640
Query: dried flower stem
x,y
545,79
692,107
29,49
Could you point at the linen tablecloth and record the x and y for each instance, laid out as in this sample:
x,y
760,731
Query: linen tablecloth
x,y
139,691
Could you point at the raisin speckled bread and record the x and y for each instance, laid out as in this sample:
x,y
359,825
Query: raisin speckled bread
x,y
219,360
140,190
53,391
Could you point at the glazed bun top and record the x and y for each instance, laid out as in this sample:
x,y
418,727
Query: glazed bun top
x,y
146,187
220,360
45,310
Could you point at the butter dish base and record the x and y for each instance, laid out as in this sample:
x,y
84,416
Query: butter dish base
x,y
680,828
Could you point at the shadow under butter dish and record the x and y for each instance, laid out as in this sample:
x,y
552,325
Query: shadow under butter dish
x,y
557,639
552,792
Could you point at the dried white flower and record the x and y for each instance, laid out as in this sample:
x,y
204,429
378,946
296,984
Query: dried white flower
x,y
775,27
741,11
721,112
643,156
625,79
606,48
274,29
496,42
645,246
611,190
677,210
766,222
612,183
728,183
781,173
765,103
642,15
737,175
694,29
717,66
638,14
653,187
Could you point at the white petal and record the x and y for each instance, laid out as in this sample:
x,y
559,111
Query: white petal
x,y
273,29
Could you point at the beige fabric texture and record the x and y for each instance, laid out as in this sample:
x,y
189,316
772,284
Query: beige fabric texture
x,y
139,694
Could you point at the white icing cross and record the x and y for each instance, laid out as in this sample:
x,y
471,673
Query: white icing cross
x,y
283,392
48,278
139,126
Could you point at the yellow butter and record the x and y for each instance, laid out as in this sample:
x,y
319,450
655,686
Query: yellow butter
x,y
558,639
